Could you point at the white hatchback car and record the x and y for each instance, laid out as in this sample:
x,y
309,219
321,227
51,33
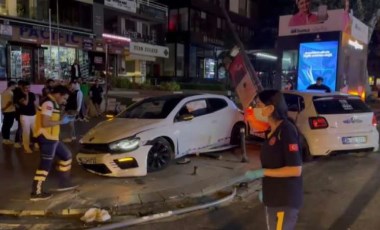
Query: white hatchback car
x,y
332,122
150,133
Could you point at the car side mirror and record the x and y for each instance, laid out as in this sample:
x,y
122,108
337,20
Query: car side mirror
x,y
186,117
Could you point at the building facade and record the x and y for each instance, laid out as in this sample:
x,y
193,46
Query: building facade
x,y
40,39
198,33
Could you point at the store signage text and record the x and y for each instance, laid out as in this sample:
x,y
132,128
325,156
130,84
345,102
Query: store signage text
x,y
149,50
43,33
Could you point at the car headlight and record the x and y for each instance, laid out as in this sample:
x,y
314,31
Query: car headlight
x,y
125,144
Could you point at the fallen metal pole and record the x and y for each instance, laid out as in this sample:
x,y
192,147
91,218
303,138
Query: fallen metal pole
x,y
162,215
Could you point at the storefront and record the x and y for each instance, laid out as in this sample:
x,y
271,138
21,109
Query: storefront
x,y
143,60
32,54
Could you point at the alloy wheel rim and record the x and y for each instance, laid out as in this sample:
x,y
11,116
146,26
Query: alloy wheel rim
x,y
158,156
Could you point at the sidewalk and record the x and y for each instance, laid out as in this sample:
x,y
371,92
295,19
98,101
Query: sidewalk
x,y
175,182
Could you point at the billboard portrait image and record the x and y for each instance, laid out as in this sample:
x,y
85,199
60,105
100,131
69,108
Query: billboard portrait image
x,y
317,59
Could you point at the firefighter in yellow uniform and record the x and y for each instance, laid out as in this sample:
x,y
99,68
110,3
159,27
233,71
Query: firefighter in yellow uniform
x,y
46,130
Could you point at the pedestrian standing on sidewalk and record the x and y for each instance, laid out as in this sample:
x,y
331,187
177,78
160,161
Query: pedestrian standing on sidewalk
x,y
26,101
9,112
16,94
281,162
73,106
96,96
47,89
75,70
46,130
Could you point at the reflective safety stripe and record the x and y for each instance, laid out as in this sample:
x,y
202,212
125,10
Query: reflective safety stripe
x,y
39,178
65,163
39,187
63,168
42,172
280,220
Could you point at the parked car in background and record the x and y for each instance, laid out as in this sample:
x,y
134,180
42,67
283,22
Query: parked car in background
x,y
149,134
331,123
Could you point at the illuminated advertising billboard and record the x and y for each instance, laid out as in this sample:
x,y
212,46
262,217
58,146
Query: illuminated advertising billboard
x,y
317,59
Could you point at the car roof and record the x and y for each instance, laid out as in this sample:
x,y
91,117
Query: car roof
x,y
183,96
313,93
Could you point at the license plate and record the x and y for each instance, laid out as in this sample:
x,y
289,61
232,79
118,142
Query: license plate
x,y
354,140
91,160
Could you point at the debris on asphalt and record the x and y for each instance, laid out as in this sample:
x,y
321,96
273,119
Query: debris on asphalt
x,y
183,161
96,214
195,170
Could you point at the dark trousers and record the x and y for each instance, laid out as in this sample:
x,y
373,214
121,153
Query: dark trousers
x,y
50,149
283,218
7,124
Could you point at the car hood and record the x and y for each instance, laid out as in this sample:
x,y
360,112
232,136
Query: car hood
x,y
118,128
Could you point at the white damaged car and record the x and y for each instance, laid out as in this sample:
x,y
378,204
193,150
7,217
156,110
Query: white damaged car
x,y
148,135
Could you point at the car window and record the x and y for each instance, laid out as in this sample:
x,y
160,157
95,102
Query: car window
x,y
216,104
196,108
295,103
339,105
152,108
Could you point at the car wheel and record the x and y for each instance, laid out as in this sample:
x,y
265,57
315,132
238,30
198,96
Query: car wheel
x,y
160,155
306,155
235,133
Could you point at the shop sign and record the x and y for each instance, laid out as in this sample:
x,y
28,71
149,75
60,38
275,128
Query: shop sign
x,y
152,12
6,30
149,50
126,5
359,30
87,44
41,35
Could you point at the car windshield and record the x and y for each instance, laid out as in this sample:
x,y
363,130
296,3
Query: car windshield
x,y
340,105
151,108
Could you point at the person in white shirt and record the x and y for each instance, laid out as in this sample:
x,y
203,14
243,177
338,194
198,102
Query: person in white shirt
x,y
9,112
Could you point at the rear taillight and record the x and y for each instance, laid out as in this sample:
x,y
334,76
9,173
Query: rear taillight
x,y
374,120
318,123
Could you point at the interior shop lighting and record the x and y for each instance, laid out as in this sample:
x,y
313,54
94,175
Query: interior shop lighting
x,y
115,37
266,56
355,44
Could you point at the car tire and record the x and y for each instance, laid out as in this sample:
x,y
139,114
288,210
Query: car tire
x,y
235,133
160,155
306,155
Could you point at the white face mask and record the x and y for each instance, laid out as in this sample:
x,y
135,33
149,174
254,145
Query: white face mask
x,y
258,112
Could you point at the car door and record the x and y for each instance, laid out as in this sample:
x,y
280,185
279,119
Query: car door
x,y
222,120
193,135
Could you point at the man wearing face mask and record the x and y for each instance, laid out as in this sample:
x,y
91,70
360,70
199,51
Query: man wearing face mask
x,y
281,173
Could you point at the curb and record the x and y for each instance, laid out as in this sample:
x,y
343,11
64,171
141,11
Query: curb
x,y
80,211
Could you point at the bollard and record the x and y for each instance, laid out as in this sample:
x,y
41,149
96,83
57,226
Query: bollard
x,y
244,158
195,170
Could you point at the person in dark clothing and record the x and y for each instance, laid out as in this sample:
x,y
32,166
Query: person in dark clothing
x,y
47,89
26,102
9,112
96,92
282,186
320,86
75,70
16,94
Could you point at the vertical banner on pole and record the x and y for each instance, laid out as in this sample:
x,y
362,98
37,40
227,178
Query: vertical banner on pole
x,y
242,82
